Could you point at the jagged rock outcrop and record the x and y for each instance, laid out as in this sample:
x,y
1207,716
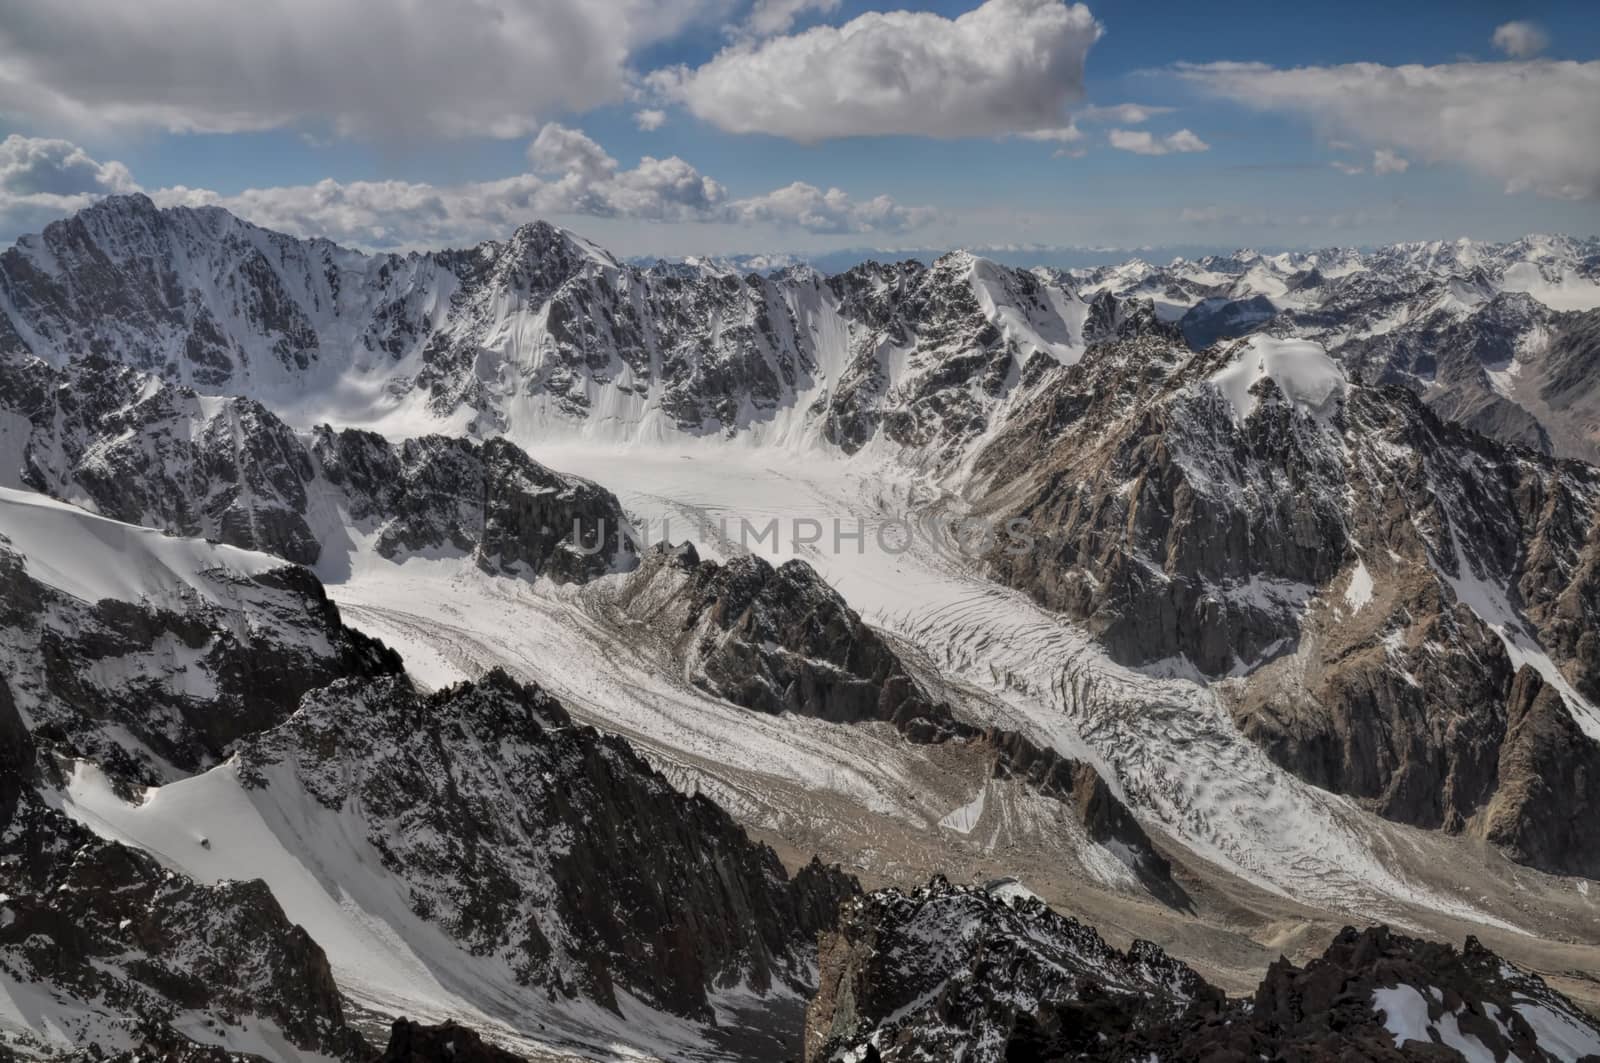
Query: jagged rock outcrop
x,y
1414,732
144,451
541,330
1165,522
449,1042
1249,511
117,439
115,953
1375,987
489,500
777,640
160,655
782,640
950,972
1544,811
546,847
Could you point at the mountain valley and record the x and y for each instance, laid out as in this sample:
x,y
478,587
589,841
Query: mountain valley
x,y
596,655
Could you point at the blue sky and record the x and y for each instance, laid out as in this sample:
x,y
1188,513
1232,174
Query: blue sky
x,y
1489,136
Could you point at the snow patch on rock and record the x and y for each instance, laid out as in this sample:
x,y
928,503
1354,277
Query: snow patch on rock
x,y
1301,369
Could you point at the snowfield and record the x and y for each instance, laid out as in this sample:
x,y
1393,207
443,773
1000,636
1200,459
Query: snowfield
x,y
92,558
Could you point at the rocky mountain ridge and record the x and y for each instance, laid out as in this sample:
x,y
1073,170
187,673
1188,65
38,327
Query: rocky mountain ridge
x,y
547,847
545,332
108,951
143,451
155,656
183,745
1467,325
952,972
539,333
1364,578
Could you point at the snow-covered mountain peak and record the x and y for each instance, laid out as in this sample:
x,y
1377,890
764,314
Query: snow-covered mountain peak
x,y
538,238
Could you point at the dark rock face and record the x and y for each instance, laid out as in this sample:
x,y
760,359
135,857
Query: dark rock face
x,y
782,640
1111,318
1202,536
1212,320
948,972
126,947
412,1042
1329,1010
16,755
145,688
487,499
1544,812
1415,733
552,847
107,281
958,364
161,456
1327,554
1566,375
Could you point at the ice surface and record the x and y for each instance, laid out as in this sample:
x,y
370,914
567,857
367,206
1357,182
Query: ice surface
x,y
1168,746
91,558
1300,368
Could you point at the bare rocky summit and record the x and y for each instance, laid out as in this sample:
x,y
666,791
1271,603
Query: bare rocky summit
x,y
952,972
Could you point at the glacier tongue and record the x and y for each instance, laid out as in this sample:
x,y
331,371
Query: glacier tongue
x,y
1168,745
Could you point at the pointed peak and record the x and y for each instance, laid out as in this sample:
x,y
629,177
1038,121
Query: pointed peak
x,y
540,234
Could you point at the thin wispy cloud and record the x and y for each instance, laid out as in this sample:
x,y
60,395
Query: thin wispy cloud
x,y
1532,126
1144,142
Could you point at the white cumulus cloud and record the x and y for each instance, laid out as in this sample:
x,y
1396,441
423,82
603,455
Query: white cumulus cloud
x,y
41,179
1520,40
1008,66
1530,125
570,174
1143,142
484,67
770,17
649,119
